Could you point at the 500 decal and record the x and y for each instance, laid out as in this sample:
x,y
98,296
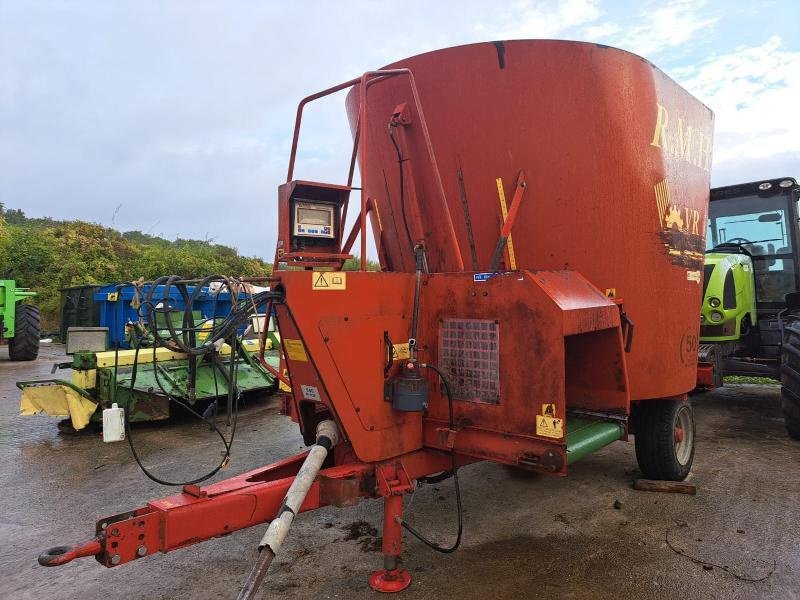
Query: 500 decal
x,y
688,349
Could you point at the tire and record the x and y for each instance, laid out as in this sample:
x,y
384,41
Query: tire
x,y
659,453
790,379
25,343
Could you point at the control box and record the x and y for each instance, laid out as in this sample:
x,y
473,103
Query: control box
x,y
310,218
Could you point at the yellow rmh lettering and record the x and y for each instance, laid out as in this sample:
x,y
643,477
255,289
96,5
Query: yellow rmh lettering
x,y
682,141
682,149
662,120
704,154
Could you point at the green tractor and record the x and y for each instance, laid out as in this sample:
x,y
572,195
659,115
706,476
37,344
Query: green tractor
x,y
19,323
750,317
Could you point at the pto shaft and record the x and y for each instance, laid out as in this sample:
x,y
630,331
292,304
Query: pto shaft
x,y
327,438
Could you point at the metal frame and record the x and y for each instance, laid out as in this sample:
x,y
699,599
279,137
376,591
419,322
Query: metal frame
x,y
360,149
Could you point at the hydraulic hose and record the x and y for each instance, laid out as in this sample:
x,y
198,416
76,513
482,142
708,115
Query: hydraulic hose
x,y
453,472
185,340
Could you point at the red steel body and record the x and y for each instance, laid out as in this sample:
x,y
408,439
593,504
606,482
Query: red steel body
x,y
616,157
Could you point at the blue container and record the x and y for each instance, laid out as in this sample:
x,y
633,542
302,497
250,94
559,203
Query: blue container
x,y
116,313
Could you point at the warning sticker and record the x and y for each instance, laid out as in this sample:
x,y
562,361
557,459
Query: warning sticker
x,y
295,350
549,410
611,292
328,280
283,386
401,351
310,392
549,427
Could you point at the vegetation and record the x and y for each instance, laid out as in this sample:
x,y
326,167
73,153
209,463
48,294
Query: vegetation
x,y
747,379
47,255
354,264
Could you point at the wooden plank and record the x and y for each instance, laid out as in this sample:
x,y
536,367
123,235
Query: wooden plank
x,y
674,487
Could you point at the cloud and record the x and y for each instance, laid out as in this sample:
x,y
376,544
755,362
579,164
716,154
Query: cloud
x,y
670,25
754,93
183,112
596,33
541,19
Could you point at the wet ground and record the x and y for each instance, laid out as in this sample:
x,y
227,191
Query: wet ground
x,y
525,536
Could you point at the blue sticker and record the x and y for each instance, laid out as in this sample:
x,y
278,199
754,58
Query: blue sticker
x,y
482,276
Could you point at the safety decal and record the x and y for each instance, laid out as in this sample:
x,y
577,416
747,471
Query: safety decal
x,y
283,386
328,281
693,276
401,351
549,427
295,350
310,392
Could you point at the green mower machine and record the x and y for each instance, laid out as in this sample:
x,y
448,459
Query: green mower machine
x,y
19,323
750,317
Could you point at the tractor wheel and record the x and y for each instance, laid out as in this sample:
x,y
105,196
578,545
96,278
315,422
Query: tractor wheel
x,y
790,379
25,343
664,431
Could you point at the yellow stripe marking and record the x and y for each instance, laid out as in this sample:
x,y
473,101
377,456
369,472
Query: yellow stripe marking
x,y
512,259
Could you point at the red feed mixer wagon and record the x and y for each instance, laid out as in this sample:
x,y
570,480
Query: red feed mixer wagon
x,y
539,212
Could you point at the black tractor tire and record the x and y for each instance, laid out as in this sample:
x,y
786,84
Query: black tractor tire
x,y
25,343
659,453
790,378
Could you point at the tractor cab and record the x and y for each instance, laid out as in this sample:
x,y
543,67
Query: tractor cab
x,y
751,265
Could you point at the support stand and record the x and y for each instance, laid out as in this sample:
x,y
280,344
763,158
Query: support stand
x,y
391,578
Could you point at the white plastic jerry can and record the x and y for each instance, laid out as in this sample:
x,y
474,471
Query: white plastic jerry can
x,y
113,424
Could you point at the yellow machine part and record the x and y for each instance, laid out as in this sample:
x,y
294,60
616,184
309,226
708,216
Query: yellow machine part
x,y
57,400
125,358
85,379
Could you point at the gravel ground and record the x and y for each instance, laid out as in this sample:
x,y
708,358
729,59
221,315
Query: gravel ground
x,y
525,536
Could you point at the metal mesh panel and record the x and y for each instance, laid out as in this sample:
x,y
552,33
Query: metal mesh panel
x,y
469,356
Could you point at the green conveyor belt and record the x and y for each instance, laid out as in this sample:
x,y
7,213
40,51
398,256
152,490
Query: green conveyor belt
x,y
585,436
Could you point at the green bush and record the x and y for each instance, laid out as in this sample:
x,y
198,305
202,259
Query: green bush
x,y
48,255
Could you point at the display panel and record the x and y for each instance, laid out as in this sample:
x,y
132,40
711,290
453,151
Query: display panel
x,y
314,219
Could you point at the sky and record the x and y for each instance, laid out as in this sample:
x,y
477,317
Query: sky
x,y
175,117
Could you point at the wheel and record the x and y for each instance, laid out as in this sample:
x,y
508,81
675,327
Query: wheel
x,y
665,439
25,343
790,379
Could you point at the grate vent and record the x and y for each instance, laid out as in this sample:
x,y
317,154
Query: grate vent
x,y
469,351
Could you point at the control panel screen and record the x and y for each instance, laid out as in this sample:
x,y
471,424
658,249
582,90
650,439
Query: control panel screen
x,y
314,219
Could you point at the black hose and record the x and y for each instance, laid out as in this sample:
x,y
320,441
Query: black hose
x,y
185,342
227,443
240,312
454,471
400,161
419,257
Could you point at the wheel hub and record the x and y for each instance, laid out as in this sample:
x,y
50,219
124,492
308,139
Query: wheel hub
x,y
684,435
